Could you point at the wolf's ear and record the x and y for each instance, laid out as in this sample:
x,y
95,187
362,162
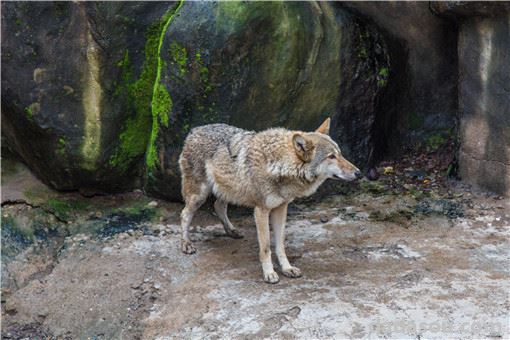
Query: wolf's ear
x,y
324,128
303,147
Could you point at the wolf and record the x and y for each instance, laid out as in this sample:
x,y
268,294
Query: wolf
x,y
264,170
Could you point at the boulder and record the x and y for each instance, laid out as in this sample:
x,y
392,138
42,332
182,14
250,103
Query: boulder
x,y
261,64
65,111
99,96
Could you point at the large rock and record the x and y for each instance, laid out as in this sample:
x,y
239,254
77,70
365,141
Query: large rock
x,y
484,92
63,110
100,96
262,64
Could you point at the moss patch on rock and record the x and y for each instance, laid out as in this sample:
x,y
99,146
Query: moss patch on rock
x,y
179,56
161,102
61,149
148,99
29,112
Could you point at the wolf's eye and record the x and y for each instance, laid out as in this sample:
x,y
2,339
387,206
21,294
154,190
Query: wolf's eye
x,y
332,156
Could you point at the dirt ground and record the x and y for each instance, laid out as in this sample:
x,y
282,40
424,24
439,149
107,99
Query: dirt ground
x,y
376,263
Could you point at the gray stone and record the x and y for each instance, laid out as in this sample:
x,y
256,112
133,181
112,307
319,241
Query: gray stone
x,y
484,100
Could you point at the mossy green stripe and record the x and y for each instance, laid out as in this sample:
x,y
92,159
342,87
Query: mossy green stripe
x,y
161,100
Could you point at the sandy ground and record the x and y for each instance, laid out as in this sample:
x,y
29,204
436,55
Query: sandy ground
x,y
375,265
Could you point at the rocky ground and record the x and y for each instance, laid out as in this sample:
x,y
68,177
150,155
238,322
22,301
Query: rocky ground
x,y
409,255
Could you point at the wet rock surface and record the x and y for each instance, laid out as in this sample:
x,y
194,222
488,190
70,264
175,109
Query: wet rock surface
x,y
241,63
98,97
64,110
379,260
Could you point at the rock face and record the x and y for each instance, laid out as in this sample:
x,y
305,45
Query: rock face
x,y
484,92
259,64
420,100
99,96
63,111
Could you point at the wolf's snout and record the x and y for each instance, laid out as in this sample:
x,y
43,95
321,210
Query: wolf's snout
x,y
358,174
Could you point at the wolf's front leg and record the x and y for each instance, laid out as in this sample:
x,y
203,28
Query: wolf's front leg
x,y
262,222
278,219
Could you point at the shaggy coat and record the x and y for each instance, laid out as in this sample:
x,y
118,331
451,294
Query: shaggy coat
x,y
265,170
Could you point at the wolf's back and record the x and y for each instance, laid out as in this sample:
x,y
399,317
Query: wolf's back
x,y
202,143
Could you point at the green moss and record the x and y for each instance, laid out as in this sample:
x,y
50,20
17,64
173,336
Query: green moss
x,y
384,72
146,98
161,100
373,187
206,86
29,112
434,142
60,208
178,56
61,149
204,106
362,53
382,77
231,15
63,209
162,104
134,137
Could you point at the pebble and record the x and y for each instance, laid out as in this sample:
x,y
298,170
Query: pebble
x,y
10,306
324,218
157,286
152,204
373,174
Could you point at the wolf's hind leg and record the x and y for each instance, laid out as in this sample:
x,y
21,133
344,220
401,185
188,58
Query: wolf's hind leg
x,y
221,210
278,219
193,202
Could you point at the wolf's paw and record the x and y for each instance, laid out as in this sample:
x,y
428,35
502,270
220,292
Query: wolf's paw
x,y
292,272
271,277
234,233
187,247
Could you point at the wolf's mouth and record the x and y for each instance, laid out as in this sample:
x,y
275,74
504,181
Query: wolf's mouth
x,y
336,177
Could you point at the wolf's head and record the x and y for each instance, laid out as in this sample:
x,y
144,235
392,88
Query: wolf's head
x,y
323,154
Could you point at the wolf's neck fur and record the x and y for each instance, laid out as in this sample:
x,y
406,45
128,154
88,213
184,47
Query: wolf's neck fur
x,y
283,169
